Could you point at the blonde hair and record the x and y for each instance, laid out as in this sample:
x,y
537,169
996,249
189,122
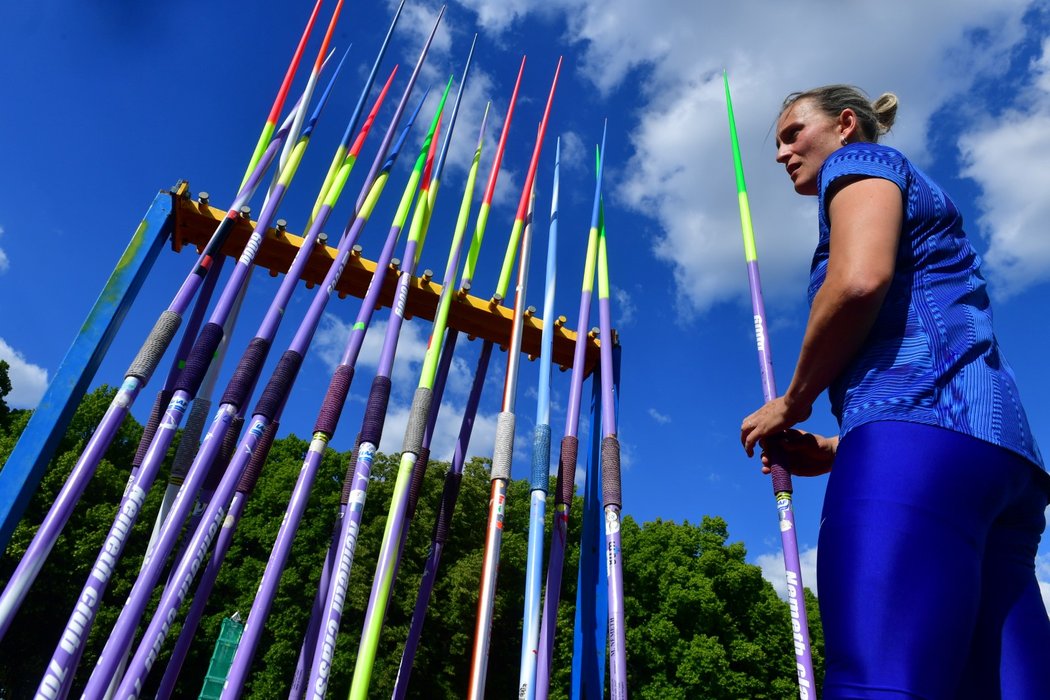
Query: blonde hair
x,y
875,117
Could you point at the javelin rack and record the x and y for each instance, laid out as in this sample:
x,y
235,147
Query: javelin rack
x,y
186,222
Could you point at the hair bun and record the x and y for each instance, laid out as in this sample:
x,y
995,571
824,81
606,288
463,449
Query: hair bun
x,y
885,108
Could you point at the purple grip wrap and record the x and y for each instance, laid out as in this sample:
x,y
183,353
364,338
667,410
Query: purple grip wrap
x,y
348,480
375,410
447,507
248,369
150,429
199,359
570,446
229,445
332,407
419,472
781,480
280,384
258,459
611,472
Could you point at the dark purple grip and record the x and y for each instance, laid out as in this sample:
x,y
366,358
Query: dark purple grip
x,y
229,446
258,459
280,384
611,472
447,507
419,473
348,480
163,398
375,410
332,407
248,369
566,487
781,480
199,359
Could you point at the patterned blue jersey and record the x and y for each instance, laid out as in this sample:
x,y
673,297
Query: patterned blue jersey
x,y
931,356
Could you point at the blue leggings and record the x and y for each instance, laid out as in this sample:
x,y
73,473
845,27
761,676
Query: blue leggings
x,y
926,569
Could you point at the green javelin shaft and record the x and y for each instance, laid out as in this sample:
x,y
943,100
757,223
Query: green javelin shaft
x,y
781,478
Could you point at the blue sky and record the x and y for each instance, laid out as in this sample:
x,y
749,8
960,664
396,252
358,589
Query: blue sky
x,y
106,105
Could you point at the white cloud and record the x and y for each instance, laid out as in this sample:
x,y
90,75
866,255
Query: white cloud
x,y
1005,157
28,381
681,174
660,418
772,565
624,307
5,262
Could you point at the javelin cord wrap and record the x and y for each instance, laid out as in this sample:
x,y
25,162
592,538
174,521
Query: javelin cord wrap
x,y
375,410
238,391
157,412
152,350
504,452
570,447
415,486
190,440
258,459
334,399
611,472
541,457
448,505
280,384
417,420
199,359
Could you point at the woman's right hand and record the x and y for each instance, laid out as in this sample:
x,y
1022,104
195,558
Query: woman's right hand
x,y
801,453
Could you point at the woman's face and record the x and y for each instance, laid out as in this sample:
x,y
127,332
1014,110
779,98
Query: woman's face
x,y
806,136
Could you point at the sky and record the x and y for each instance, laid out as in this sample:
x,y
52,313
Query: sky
x,y
107,104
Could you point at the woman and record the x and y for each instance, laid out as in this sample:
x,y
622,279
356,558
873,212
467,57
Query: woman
x,y
934,507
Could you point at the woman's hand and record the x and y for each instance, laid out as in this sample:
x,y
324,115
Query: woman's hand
x,y
801,453
776,416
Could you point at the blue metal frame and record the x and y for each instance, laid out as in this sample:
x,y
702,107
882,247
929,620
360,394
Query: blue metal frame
x,y
21,474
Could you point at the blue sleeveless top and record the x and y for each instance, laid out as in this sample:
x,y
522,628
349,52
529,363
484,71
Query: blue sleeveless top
x,y
931,356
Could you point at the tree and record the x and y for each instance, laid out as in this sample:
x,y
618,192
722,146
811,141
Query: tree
x,y
5,389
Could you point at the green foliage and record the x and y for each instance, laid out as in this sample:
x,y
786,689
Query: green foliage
x,y
701,622
5,389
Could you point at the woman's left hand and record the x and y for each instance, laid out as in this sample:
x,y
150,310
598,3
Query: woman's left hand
x,y
776,416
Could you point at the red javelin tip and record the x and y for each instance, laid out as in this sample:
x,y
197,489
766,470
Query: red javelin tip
x,y
278,104
360,142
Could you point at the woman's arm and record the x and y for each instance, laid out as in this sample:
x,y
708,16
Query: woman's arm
x,y
866,218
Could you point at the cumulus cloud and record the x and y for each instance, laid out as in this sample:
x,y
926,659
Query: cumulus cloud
x,y
772,565
680,173
28,381
1005,157
624,306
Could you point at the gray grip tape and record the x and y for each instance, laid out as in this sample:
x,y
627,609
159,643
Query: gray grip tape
x,y
156,344
191,439
504,453
417,420
611,472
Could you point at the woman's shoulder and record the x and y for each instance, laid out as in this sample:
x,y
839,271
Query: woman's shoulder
x,y
866,160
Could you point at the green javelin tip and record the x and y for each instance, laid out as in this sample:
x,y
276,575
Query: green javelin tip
x,y
603,260
421,217
750,252
428,375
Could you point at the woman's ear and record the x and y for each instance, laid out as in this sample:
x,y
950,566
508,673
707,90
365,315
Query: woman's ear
x,y
849,126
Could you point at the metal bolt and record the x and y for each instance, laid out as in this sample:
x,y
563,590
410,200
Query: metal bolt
x,y
202,198
282,226
395,263
246,212
530,311
356,250
322,238
428,275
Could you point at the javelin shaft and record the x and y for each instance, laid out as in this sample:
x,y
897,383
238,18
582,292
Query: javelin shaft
x,y
568,453
501,463
782,488
541,451
611,489
454,475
